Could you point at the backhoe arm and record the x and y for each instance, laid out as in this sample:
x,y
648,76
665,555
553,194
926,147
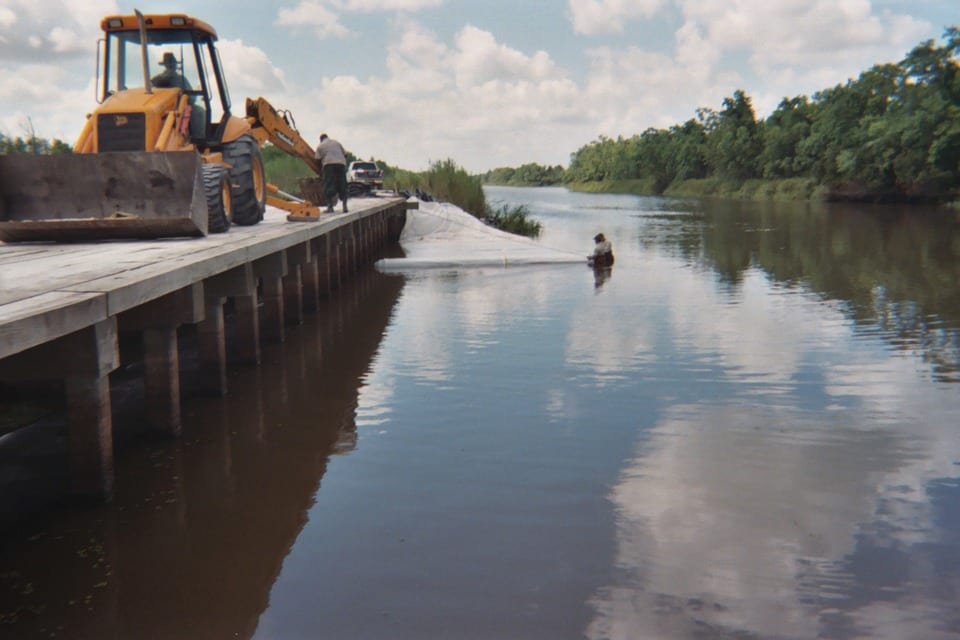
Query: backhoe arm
x,y
278,129
269,125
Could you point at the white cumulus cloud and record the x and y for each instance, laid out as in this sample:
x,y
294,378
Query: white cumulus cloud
x,y
480,58
594,17
37,31
324,16
780,32
8,17
389,5
317,16
418,62
249,71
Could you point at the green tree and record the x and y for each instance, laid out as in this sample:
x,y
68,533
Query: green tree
x,y
688,146
894,131
32,144
783,132
734,143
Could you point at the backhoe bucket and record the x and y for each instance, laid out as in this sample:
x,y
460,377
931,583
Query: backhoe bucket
x,y
99,196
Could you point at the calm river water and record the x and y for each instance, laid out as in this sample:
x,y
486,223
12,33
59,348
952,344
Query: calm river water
x,y
748,428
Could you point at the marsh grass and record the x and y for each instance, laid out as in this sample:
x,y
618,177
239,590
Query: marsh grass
x,y
638,186
283,169
514,219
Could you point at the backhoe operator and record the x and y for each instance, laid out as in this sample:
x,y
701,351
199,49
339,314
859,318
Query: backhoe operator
x,y
170,77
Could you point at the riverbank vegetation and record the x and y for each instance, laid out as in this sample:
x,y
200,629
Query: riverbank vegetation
x,y
513,219
891,134
527,175
448,182
444,181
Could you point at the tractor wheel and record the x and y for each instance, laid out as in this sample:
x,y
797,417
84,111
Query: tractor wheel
x,y
216,188
248,179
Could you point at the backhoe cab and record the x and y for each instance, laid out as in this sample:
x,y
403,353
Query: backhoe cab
x,y
162,154
149,64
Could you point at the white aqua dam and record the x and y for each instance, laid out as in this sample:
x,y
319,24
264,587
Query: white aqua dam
x,y
439,234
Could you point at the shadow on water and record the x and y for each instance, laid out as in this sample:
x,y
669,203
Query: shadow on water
x,y
200,527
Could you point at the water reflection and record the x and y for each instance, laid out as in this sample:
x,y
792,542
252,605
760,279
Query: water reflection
x,y
760,522
749,432
488,302
894,269
800,479
601,275
200,527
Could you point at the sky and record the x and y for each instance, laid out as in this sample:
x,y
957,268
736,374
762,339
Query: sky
x,y
487,83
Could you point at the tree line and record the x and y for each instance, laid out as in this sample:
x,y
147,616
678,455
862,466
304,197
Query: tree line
x,y
894,132
530,174
32,144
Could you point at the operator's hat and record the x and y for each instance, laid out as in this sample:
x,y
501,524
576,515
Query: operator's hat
x,y
169,60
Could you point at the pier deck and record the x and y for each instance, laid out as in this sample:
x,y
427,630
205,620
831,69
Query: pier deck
x,y
62,307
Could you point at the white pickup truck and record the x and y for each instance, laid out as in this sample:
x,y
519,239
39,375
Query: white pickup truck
x,y
367,173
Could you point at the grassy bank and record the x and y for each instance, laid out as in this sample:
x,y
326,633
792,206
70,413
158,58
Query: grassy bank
x,y
637,187
793,189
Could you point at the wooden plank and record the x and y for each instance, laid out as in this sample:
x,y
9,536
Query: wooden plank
x,y
91,437
299,254
45,317
136,286
272,328
234,282
67,266
183,306
90,352
161,385
213,353
246,346
293,295
50,290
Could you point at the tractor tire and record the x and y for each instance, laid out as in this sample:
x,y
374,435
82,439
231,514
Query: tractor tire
x,y
216,189
248,180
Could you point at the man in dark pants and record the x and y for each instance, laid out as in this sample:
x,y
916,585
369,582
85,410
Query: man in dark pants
x,y
333,158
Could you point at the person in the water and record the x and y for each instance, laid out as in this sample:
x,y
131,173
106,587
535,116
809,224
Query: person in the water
x,y
602,255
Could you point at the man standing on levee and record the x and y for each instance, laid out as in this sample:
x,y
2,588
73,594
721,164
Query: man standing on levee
x,y
333,158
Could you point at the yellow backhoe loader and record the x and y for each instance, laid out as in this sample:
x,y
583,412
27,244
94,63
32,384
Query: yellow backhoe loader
x,y
162,154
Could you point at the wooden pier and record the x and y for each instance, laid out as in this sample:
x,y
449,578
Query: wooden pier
x,y
64,306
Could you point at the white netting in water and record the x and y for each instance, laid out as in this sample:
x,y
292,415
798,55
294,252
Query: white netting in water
x,y
439,234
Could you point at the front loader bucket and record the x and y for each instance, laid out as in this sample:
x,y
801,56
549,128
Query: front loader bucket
x,y
99,196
